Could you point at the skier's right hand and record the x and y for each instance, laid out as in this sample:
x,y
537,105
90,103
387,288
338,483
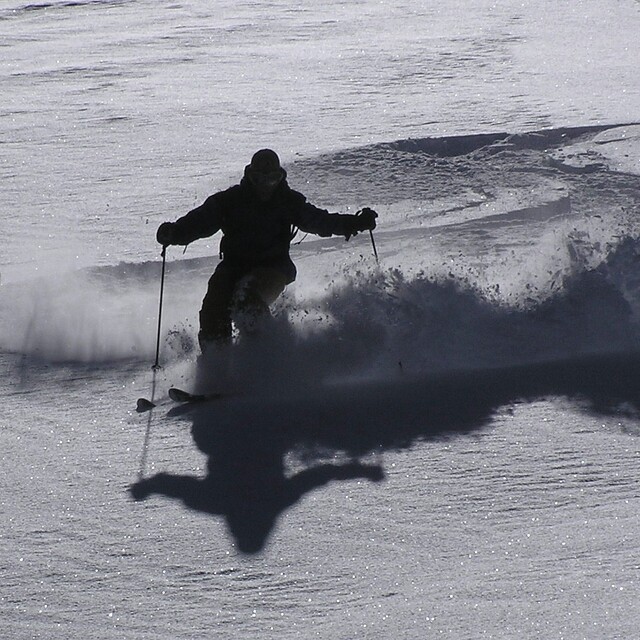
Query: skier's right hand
x,y
166,234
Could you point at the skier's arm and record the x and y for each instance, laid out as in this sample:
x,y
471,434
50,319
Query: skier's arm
x,y
320,222
201,222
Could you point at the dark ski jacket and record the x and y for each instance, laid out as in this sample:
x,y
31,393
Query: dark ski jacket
x,y
258,233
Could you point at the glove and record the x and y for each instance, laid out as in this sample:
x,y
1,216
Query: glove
x,y
166,234
364,220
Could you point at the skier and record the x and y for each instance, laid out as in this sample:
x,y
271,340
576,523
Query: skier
x,y
258,219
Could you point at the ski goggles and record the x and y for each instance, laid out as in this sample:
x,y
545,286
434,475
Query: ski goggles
x,y
266,179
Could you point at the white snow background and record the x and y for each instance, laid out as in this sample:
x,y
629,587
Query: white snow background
x,y
441,444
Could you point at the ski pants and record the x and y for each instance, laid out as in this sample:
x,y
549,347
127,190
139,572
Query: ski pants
x,y
235,293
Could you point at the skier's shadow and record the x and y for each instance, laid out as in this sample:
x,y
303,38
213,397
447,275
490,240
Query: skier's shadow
x,y
247,439
246,483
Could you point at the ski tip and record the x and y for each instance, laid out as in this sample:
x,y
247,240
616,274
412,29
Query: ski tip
x,y
144,405
178,395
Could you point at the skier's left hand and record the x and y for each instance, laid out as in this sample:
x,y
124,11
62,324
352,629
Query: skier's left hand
x,y
364,220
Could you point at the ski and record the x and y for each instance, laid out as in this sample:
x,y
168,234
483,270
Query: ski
x,y
179,395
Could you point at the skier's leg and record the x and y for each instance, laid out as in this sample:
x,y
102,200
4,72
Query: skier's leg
x,y
254,293
215,367
215,314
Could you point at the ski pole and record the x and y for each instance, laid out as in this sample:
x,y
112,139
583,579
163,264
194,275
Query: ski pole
x,y
144,404
373,244
156,364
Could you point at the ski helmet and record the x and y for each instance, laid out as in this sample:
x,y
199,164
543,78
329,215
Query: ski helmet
x,y
265,170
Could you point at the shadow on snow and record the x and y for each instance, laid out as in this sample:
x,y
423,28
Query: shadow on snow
x,y
246,439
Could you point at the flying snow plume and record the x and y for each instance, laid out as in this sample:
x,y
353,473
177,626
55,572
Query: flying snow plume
x,y
386,325
89,315
73,318
373,324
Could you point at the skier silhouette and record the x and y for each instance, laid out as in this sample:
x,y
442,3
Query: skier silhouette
x,y
258,218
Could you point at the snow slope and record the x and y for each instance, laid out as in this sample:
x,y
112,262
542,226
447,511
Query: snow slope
x,y
442,445
451,431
